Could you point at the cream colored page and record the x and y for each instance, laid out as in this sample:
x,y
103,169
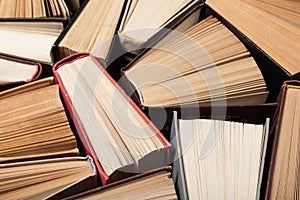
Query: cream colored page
x,y
149,15
27,45
218,171
134,130
109,158
136,134
14,71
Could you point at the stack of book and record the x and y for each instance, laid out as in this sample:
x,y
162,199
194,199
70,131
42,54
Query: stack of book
x,y
117,99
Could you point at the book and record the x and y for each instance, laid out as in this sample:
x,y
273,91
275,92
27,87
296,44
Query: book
x,y
217,159
155,184
276,18
282,181
34,124
30,40
274,78
146,22
47,179
92,30
15,72
112,129
206,65
33,9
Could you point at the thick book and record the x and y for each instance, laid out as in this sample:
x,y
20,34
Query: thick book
x,y
111,127
15,72
283,172
30,39
206,65
217,159
54,178
34,123
155,184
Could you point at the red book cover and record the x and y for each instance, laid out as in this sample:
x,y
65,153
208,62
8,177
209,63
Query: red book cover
x,y
7,84
87,147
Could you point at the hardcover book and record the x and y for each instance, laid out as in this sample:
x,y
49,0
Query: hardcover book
x,y
217,159
112,129
14,72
